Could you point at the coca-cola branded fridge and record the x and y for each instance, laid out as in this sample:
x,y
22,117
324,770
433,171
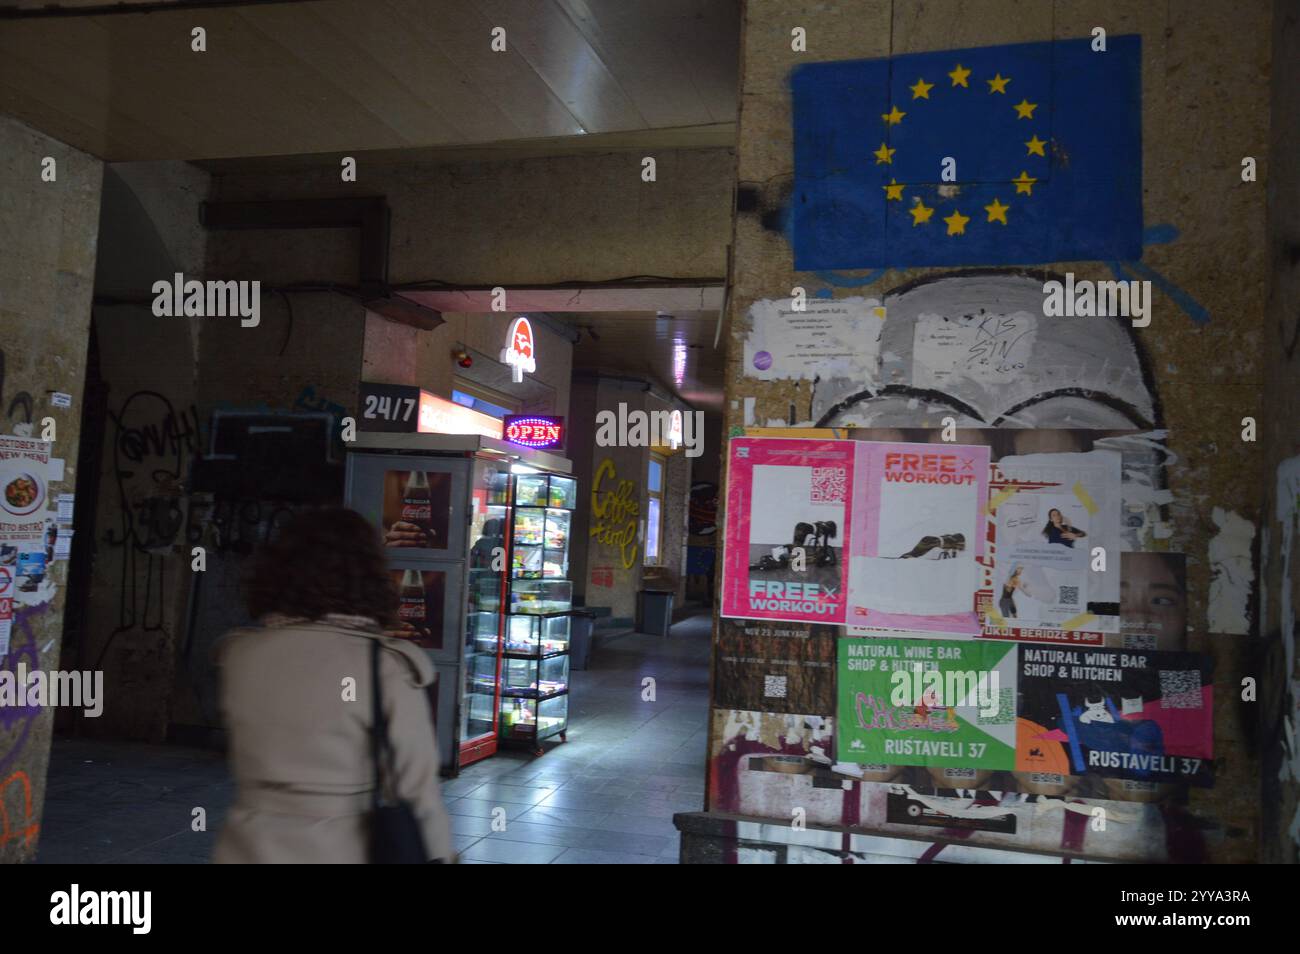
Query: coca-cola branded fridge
x,y
480,561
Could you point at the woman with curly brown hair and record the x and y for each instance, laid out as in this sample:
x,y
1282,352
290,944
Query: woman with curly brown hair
x,y
297,695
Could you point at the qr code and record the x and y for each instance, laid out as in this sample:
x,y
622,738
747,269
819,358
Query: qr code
x,y
1068,595
774,687
828,484
1006,709
1180,689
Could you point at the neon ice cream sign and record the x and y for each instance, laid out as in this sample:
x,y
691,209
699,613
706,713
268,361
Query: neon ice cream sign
x,y
520,351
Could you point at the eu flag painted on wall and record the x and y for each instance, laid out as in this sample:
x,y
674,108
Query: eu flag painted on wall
x,y
1046,139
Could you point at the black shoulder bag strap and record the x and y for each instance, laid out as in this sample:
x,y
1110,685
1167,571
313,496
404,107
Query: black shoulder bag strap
x,y
395,834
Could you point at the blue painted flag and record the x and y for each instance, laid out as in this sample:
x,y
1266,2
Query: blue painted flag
x,y
1046,140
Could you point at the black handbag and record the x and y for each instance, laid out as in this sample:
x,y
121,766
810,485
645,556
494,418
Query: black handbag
x,y
395,835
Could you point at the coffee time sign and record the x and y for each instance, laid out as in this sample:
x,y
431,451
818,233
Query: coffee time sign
x,y
615,512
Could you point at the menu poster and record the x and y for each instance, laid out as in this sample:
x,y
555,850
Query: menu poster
x,y
927,702
422,597
1050,513
789,503
24,489
1146,716
918,534
417,509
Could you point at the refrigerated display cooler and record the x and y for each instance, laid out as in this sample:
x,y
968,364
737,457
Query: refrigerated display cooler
x,y
477,532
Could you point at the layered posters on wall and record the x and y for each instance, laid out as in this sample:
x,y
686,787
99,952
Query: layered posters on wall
x,y
24,499
788,508
1051,711
918,536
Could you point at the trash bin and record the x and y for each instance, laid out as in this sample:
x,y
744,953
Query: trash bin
x,y
580,623
656,612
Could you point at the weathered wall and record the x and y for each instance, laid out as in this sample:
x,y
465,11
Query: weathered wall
x,y
1280,433
608,564
1204,67
135,604
48,231
517,222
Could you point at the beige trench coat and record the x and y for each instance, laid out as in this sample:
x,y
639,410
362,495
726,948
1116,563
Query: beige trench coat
x,y
300,753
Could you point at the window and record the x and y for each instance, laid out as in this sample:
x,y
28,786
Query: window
x,y
654,483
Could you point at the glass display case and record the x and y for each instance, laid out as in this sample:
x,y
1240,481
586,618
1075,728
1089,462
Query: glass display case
x,y
531,720
534,672
487,586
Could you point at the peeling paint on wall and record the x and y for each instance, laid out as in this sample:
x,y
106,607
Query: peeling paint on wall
x,y
1232,573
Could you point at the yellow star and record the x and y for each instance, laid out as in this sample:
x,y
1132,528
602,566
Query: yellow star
x,y
884,154
1035,147
998,85
959,76
894,190
920,213
1024,184
957,223
893,117
997,212
921,90
1025,109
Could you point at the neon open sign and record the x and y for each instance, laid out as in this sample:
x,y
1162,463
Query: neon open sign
x,y
534,431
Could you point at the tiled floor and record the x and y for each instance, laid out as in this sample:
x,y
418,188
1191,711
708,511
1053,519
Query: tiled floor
x,y
635,756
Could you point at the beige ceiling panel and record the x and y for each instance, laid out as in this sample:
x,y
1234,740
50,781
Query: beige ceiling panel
x,y
333,75
464,36
81,104
545,36
458,110
644,56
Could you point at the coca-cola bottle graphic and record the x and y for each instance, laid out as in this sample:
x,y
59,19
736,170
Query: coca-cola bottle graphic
x,y
417,503
411,608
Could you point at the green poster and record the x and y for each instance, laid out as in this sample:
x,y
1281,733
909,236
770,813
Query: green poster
x,y
931,702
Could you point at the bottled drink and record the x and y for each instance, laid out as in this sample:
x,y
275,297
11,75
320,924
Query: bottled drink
x,y
417,503
411,608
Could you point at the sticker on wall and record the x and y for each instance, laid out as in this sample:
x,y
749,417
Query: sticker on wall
x,y
787,529
820,338
927,702
918,532
986,156
1145,716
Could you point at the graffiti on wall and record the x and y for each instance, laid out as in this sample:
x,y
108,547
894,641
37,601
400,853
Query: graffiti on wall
x,y
16,721
18,408
615,512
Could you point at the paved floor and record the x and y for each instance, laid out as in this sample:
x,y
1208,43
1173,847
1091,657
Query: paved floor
x,y
606,796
